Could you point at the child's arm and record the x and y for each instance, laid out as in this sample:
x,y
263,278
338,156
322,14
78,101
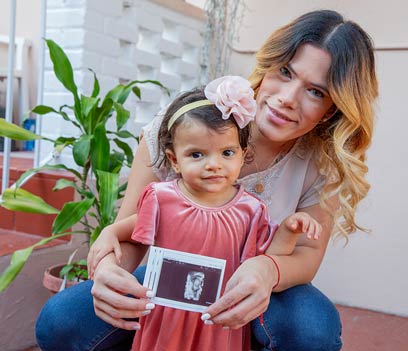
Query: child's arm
x,y
113,234
284,240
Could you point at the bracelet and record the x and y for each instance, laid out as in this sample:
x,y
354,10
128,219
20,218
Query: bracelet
x,y
277,269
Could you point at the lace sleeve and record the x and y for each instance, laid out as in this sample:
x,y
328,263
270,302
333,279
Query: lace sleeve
x,y
150,133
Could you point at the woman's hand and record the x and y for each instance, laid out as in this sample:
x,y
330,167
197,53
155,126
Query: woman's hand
x,y
111,284
107,242
246,295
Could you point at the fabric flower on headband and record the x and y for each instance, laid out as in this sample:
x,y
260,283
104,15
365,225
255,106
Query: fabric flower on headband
x,y
233,95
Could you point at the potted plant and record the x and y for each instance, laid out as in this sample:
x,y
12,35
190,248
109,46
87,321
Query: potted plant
x,y
99,154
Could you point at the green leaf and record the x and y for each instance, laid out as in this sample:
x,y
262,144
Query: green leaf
x,y
13,131
116,161
18,260
137,92
122,115
64,73
62,66
70,214
95,235
148,81
81,149
81,262
123,187
96,88
64,270
89,105
100,149
62,142
65,116
64,183
43,110
115,93
31,171
23,201
124,95
124,134
108,195
126,149
102,113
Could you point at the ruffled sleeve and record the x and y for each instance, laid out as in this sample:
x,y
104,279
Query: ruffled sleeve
x,y
148,216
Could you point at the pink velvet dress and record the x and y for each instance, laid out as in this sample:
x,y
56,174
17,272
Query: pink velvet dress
x,y
235,232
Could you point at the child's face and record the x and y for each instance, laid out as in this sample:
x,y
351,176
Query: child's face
x,y
209,161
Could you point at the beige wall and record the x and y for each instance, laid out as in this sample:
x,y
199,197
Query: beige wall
x,y
28,26
371,272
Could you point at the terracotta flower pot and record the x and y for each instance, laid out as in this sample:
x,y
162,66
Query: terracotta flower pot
x,y
52,280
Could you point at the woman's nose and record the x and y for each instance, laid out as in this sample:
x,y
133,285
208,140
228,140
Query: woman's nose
x,y
289,95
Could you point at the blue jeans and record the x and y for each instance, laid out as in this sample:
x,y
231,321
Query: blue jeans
x,y
298,319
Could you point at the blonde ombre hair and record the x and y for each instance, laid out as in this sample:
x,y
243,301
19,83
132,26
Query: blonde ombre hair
x,y
342,140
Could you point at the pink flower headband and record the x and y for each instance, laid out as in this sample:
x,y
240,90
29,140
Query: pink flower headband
x,y
232,95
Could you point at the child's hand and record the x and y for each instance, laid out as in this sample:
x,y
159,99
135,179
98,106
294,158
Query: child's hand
x,y
302,222
106,243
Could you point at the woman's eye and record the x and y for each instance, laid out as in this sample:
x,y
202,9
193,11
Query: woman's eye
x,y
317,93
196,154
285,72
228,153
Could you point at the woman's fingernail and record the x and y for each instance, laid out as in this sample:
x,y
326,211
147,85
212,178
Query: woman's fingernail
x,y
136,327
149,293
205,316
145,313
208,322
150,306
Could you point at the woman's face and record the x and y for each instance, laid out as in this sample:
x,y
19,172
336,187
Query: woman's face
x,y
293,99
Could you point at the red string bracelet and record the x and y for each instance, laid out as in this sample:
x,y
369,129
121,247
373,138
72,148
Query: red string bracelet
x,y
261,317
277,269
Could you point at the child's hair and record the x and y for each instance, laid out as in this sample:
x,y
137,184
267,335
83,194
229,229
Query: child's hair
x,y
209,115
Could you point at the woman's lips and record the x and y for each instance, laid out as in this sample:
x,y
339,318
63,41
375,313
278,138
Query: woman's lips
x,y
277,117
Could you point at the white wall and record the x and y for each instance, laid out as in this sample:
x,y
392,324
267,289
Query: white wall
x,y
371,272
121,40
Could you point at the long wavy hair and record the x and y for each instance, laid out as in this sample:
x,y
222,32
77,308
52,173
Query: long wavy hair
x,y
342,141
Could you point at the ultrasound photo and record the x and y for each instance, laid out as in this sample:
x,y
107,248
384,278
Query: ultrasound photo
x,y
183,280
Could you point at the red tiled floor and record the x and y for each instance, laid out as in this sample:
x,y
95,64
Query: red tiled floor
x,y
365,330
12,240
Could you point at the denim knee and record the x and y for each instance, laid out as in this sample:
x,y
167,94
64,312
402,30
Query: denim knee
x,y
301,319
68,322
59,320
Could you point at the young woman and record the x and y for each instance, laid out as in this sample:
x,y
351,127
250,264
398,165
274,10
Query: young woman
x,y
315,86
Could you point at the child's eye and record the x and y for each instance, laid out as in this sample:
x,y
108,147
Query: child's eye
x,y
196,154
228,153
285,72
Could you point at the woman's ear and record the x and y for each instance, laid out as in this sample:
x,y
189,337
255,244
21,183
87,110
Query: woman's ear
x,y
330,113
244,154
171,156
